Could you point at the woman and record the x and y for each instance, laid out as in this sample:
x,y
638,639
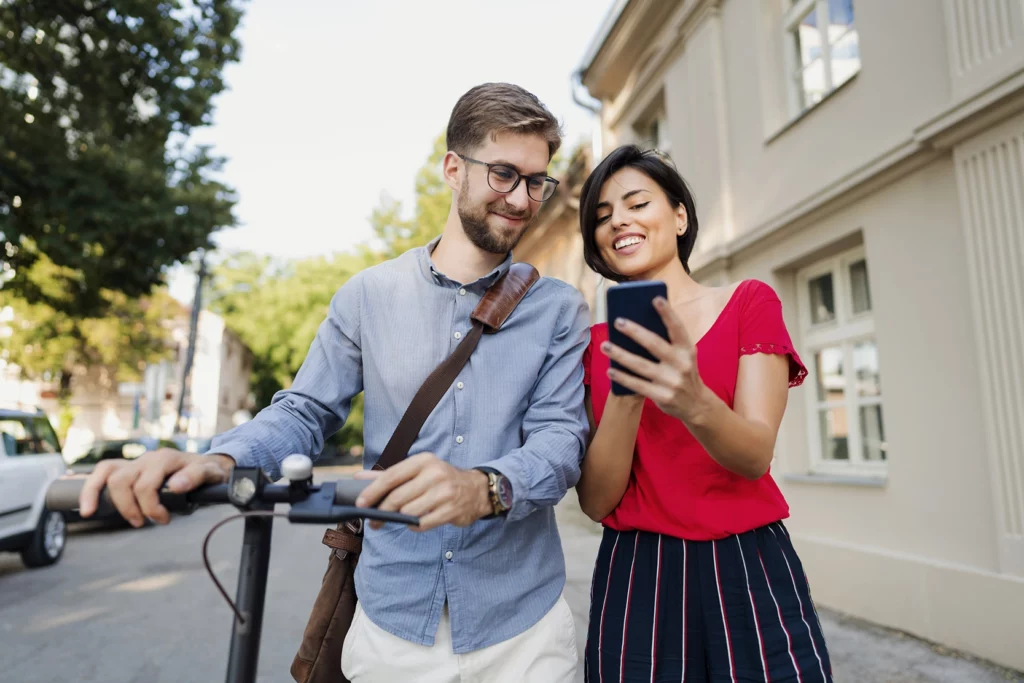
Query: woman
x,y
696,579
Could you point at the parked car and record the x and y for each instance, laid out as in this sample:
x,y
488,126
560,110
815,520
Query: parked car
x,y
118,449
30,458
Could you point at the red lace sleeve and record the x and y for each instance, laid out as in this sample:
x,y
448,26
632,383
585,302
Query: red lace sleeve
x,y
763,330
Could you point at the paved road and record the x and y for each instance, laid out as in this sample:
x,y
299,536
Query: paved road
x,y
127,606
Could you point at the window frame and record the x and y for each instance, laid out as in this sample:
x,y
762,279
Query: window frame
x,y
845,331
792,16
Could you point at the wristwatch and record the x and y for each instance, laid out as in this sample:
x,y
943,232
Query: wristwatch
x,y
499,489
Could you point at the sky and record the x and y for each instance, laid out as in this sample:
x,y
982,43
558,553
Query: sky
x,y
335,102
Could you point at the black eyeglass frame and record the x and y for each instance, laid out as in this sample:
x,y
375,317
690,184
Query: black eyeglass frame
x,y
519,178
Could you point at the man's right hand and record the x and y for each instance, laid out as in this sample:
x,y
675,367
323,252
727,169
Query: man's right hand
x,y
134,485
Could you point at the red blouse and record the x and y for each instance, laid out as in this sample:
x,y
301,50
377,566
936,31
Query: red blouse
x,y
675,487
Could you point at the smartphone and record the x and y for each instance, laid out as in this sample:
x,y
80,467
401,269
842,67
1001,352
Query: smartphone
x,y
634,301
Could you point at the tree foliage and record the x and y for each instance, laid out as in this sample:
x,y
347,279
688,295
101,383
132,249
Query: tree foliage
x,y
97,100
277,307
49,343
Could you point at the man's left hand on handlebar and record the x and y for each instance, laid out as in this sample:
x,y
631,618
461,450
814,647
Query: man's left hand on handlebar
x,y
134,485
429,488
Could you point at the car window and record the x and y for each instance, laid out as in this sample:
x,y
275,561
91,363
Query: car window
x,y
46,438
14,434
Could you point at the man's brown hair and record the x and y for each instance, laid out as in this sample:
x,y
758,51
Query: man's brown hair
x,y
493,108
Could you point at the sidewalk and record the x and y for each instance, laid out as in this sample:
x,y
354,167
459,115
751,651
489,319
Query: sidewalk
x,y
861,652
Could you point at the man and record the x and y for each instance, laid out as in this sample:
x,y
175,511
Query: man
x,y
476,592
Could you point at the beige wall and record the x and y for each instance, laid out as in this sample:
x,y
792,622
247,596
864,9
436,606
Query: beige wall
x,y
919,159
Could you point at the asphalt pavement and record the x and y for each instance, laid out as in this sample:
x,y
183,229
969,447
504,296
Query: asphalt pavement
x,y
136,606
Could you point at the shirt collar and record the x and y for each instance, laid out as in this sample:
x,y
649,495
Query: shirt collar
x,y
437,277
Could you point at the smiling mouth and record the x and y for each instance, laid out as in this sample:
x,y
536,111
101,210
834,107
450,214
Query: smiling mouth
x,y
511,219
628,241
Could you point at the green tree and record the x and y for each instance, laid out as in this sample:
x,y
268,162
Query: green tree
x,y
97,101
277,307
395,234
50,344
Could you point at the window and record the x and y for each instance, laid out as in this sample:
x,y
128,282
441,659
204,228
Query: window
x,y
28,436
652,133
845,426
822,49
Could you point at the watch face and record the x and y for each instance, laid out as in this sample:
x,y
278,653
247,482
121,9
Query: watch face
x,y
505,492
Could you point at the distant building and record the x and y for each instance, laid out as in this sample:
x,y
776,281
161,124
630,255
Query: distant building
x,y
105,408
866,159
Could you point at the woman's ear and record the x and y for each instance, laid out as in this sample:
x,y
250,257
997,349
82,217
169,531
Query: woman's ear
x,y
682,221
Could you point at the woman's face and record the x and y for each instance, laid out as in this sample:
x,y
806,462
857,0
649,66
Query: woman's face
x,y
636,225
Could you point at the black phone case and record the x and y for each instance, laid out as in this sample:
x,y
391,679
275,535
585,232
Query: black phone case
x,y
634,301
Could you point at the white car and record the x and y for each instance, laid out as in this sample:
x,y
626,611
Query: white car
x,y
30,459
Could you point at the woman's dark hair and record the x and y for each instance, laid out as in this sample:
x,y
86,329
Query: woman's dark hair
x,y
658,168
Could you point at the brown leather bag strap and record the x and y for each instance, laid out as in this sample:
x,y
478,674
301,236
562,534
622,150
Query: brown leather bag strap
x,y
490,314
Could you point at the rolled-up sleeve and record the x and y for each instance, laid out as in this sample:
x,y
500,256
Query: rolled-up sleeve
x,y
555,423
301,418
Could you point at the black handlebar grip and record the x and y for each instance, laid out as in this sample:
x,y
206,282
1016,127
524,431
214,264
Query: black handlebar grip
x,y
62,496
347,490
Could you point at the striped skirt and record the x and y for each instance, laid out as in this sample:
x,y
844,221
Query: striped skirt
x,y
736,609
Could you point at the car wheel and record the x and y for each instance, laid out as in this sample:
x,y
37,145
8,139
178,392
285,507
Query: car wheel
x,y
48,541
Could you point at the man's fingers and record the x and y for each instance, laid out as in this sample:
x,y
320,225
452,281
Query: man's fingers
x,y
442,515
89,496
424,503
410,491
120,485
392,477
147,492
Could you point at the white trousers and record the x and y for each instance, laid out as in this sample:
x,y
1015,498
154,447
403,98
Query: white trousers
x,y
546,652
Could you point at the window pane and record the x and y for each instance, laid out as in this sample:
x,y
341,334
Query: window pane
x,y
865,368
834,432
840,15
831,380
823,305
845,56
872,433
807,39
811,82
859,288
47,438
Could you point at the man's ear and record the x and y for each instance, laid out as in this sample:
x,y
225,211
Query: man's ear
x,y
451,167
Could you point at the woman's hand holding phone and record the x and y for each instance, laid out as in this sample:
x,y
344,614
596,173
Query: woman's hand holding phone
x,y
671,381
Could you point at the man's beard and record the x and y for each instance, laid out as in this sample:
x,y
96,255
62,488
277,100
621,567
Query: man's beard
x,y
474,224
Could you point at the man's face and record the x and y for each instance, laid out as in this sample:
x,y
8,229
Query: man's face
x,y
495,221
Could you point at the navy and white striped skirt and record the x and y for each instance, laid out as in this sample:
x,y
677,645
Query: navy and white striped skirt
x,y
731,610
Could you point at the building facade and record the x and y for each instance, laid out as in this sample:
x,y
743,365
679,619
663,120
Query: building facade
x,y
865,159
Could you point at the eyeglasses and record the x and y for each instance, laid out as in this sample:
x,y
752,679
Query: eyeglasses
x,y
503,178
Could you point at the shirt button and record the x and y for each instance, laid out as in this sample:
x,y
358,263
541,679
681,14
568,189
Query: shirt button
x,y
458,335
462,292
460,385
449,555
459,439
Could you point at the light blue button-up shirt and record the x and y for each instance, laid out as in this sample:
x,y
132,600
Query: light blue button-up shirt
x,y
517,406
